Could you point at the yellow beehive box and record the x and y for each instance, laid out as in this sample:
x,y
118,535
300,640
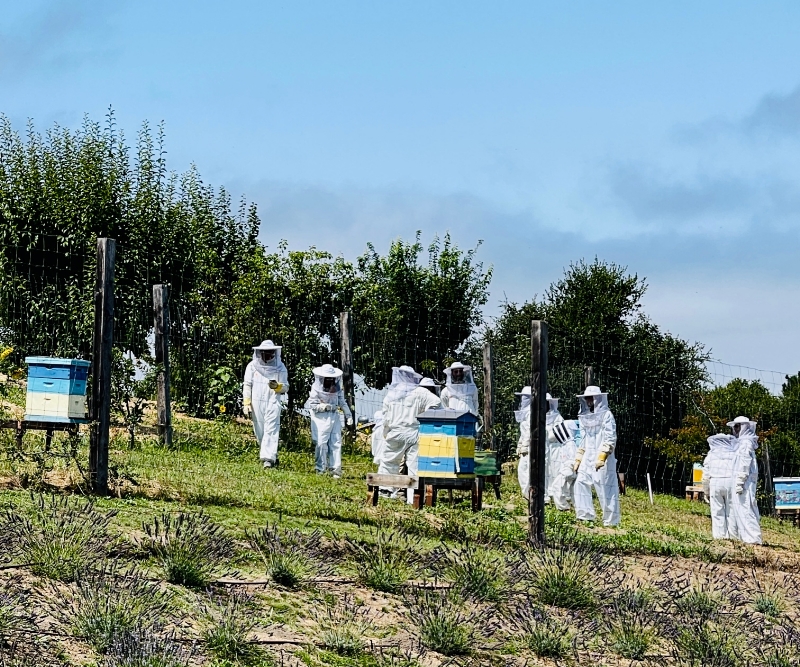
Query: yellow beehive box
x,y
446,445
697,474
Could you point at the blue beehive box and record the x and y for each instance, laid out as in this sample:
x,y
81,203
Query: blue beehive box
x,y
447,443
447,422
787,493
56,389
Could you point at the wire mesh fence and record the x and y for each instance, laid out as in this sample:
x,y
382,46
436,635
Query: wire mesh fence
x,y
664,407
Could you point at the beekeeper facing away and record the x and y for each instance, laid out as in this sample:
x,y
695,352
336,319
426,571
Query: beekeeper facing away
x,y
265,391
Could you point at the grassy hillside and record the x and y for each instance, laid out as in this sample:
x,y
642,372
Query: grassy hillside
x,y
203,557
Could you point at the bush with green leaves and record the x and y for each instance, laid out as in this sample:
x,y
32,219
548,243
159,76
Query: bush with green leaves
x,y
229,623
146,650
291,558
631,623
474,570
189,547
344,626
110,606
442,620
546,635
61,538
384,561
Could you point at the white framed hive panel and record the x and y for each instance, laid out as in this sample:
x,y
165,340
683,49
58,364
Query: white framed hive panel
x,y
55,405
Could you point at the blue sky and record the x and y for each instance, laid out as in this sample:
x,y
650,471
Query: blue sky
x,y
661,136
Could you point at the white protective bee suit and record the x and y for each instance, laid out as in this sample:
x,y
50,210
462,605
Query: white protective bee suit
x,y
378,443
324,401
552,456
568,436
595,463
264,394
404,401
523,417
745,479
460,392
719,486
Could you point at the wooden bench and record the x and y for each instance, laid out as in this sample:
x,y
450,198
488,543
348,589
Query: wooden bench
x,y
695,493
792,515
376,481
22,425
429,487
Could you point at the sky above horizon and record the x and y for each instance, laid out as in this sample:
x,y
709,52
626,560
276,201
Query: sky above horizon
x,y
663,137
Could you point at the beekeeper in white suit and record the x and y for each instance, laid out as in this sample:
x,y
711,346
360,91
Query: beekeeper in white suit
x,y
460,391
378,443
404,401
266,385
595,463
324,402
523,417
745,478
718,485
568,434
552,457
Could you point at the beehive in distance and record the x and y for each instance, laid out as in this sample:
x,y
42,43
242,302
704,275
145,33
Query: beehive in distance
x,y
447,444
56,389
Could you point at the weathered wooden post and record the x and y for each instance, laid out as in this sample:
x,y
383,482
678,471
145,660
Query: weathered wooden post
x,y
588,376
769,485
102,344
161,328
488,397
346,334
538,430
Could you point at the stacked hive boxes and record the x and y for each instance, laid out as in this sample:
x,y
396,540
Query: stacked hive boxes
x,y
447,444
56,389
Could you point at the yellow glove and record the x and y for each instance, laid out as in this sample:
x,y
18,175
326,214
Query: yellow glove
x,y
578,459
276,386
601,460
247,407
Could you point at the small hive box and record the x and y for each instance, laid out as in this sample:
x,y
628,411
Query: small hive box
x,y
697,473
787,493
56,389
447,444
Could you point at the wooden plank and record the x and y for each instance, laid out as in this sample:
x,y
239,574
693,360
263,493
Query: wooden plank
x,y
346,335
538,430
448,482
161,326
101,365
488,398
394,481
588,376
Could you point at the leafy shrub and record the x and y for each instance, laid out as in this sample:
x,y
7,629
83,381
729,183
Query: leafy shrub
x,y
108,607
290,557
768,604
546,635
143,650
630,623
384,563
343,628
705,646
442,623
61,539
474,571
229,622
188,547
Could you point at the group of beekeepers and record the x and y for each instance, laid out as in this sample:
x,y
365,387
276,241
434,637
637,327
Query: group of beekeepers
x,y
579,455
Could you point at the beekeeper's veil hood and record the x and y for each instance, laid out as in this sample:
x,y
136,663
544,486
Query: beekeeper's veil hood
x,y
552,410
318,390
592,416
404,380
745,427
459,379
269,368
524,405
430,385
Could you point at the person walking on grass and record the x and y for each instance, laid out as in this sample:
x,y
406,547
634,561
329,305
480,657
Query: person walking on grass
x,y
324,402
264,393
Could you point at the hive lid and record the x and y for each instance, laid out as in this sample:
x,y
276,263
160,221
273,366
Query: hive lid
x,y
56,361
447,415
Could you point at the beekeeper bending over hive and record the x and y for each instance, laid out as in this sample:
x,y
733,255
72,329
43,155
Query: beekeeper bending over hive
x,y
324,401
595,463
404,401
460,392
266,385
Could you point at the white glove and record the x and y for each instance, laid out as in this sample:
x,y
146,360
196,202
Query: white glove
x,y
349,421
247,408
739,488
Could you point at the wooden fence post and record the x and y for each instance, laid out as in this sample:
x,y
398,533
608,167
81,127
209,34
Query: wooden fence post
x,y
536,454
588,377
346,334
102,344
161,328
488,397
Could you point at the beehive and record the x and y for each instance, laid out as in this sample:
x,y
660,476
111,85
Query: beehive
x,y
447,444
787,493
56,389
697,473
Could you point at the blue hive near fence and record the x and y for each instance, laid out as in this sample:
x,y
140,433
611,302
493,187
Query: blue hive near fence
x,y
56,390
447,444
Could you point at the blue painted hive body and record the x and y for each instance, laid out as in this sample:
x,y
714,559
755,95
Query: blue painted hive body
x,y
447,443
787,493
56,389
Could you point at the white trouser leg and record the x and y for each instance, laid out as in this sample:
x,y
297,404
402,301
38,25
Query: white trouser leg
x,y
335,448
719,501
412,462
745,509
523,474
271,426
584,505
607,487
392,458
